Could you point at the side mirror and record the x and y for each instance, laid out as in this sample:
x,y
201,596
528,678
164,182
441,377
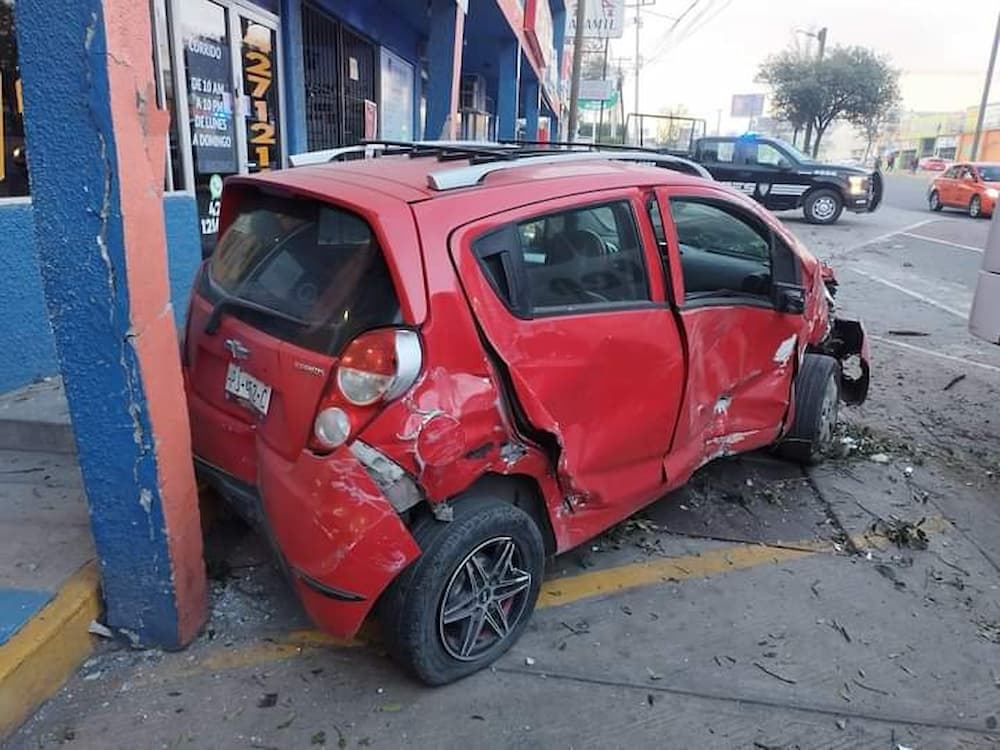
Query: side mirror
x,y
784,165
790,298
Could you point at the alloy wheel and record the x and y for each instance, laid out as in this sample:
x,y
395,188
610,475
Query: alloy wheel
x,y
484,599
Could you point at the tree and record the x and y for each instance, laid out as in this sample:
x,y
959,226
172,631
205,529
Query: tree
x,y
851,83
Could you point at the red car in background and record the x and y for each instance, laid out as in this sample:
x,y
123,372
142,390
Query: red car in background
x,y
972,187
422,374
933,164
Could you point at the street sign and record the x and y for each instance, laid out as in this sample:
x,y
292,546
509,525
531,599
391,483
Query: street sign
x,y
603,19
595,89
747,105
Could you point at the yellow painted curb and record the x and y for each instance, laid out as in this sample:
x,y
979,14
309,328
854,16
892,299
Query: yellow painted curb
x,y
38,658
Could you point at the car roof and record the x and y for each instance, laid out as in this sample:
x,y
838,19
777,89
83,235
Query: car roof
x,y
409,178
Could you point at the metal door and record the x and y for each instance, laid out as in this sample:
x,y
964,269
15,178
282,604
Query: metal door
x,y
340,77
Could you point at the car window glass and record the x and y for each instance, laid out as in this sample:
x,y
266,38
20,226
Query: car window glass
x,y
720,152
950,173
722,251
769,156
989,174
582,257
656,219
319,269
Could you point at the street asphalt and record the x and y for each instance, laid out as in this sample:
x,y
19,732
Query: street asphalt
x,y
853,605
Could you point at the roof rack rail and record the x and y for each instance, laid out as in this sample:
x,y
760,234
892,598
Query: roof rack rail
x,y
473,174
443,150
579,145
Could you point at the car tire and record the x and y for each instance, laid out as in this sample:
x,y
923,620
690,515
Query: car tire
x,y
457,557
817,403
823,206
976,207
934,201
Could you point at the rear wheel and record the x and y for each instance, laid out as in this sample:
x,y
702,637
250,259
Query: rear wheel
x,y
823,206
469,596
934,201
817,406
975,207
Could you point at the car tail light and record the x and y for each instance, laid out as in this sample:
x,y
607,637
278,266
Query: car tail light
x,y
374,369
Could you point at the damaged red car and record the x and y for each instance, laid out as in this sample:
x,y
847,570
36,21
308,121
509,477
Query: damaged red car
x,y
422,374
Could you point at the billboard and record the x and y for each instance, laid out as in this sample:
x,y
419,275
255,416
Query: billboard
x,y
603,19
747,105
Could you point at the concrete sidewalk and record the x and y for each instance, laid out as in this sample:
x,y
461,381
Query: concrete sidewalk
x,y
48,580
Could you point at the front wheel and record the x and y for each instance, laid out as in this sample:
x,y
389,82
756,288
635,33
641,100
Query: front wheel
x,y
823,206
817,406
975,207
469,596
934,201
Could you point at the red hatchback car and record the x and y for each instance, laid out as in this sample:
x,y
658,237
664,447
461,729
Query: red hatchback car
x,y
974,188
422,374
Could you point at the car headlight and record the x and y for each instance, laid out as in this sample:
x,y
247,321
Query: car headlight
x,y
857,185
992,193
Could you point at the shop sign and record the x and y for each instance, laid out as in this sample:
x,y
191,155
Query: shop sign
x,y
261,96
603,19
211,105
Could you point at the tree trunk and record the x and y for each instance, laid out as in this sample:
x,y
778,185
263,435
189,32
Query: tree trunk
x,y
795,137
819,136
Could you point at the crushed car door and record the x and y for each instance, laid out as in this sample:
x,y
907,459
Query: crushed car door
x,y
737,285
588,346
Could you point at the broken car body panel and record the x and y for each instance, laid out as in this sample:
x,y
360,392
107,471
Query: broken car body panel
x,y
601,410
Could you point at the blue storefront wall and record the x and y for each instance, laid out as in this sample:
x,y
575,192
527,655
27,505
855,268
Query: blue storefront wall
x,y
27,350
401,26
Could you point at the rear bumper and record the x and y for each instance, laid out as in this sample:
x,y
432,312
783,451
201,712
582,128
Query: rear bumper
x,y
340,539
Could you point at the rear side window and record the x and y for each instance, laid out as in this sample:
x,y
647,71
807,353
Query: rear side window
x,y
584,257
305,272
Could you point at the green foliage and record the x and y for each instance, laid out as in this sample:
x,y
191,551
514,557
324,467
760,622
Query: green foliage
x,y
850,83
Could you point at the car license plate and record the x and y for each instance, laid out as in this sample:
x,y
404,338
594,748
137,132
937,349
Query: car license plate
x,y
247,387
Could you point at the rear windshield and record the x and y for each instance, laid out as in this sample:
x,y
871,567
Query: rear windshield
x,y
315,273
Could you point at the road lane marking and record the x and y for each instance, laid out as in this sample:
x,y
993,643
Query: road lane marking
x,y
560,591
932,353
909,292
556,592
942,242
887,236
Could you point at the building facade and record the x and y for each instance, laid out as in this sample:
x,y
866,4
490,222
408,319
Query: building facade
x,y
247,83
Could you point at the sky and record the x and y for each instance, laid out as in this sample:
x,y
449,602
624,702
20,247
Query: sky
x,y
942,48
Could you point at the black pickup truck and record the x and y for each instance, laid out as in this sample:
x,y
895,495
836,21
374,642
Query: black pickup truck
x,y
781,177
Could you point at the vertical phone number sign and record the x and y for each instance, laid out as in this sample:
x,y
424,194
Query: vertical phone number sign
x,y
261,96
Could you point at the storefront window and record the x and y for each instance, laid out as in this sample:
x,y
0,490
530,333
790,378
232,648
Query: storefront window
x,y
13,160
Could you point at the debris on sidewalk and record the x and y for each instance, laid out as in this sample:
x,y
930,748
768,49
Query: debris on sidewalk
x,y
989,631
954,381
775,675
99,629
902,533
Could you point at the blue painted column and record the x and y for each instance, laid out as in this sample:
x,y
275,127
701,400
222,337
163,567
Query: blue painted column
x,y
530,94
444,63
507,90
95,143
294,76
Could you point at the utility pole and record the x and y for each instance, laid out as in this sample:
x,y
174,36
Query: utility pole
x,y
574,91
638,59
986,93
821,37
